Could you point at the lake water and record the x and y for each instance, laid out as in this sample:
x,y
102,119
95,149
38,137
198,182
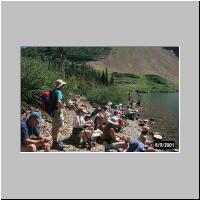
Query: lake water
x,y
164,107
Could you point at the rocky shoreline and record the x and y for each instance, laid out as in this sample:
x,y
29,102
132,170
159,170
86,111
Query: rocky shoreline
x,y
132,130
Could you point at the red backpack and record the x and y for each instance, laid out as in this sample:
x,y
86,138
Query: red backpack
x,y
46,102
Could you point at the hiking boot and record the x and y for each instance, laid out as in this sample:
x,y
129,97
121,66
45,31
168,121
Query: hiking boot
x,y
83,144
58,145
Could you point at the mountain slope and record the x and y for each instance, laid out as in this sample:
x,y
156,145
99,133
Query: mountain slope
x,y
141,60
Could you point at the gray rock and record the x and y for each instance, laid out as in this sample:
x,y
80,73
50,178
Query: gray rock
x,y
157,137
156,133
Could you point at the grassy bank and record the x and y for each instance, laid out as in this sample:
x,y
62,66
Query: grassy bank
x,y
144,83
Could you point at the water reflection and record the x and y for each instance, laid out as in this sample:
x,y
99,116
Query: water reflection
x,y
164,107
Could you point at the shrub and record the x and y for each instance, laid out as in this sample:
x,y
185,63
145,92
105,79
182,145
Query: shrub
x,y
100,95
35,78
156,79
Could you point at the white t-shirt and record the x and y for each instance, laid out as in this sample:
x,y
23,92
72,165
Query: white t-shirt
x,y
116,117
78,120
106,116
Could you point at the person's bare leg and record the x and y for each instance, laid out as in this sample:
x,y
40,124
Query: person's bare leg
x,y
122,145
47,147
89,134
85,135
150,149
31,148
55,130
91,129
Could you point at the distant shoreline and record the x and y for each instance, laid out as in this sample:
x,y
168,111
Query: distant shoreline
x,y
158,92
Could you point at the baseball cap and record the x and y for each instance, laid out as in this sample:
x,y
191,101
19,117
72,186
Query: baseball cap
x,y
37,116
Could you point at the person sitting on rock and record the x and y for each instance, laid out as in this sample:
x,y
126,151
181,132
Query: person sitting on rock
x,y
116,115
141,144
120,106
121,121
99,119
72,105
83,105
89,123
142,136
136,146
31,138
111,140
106,114
80,128
109,104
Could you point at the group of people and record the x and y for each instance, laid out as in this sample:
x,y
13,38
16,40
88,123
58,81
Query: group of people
x,y
31,138
107,121
102,125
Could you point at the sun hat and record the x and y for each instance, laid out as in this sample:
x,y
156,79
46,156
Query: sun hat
x,y
88,115
82,110
113,121
59,83
109,103
37,116
99,109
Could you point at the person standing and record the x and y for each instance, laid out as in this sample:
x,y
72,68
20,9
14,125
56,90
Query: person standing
x,y
58,112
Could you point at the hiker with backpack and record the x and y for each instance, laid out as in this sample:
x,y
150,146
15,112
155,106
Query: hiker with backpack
x,y
31,138
58,112
52,105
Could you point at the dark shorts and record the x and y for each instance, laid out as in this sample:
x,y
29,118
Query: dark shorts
x,y
76,131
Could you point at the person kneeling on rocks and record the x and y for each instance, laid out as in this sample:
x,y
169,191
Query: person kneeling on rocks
x,y
31,138
89,123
